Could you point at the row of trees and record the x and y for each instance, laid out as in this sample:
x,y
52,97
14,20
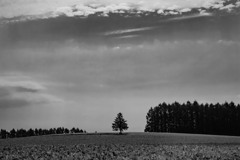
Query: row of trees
x,y
37,132
222,119
119,124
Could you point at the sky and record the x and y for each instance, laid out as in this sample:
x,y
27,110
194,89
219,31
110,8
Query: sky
x,y
34,7
63,68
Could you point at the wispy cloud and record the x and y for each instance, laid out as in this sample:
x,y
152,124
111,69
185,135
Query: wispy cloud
x,y
27,85
201,14
228,7
127,36
18,91
123,31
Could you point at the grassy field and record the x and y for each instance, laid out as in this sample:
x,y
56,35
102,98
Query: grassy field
x,y
128,146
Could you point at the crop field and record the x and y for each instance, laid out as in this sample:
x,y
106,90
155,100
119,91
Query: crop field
x,y
135,146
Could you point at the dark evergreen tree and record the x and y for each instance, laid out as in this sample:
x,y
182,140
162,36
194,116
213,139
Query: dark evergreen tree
x,y
45,132
73,130
36,132
66,131
13,133
30,132
51,131
77,130
3,134
194,118
40,132
21,133
60,130
150,121
54,131
119,123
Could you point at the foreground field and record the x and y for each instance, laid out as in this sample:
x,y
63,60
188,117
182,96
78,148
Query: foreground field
x,y
131,146
118,151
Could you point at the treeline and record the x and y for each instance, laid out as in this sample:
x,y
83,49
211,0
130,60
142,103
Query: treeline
x,y
220,119
37,132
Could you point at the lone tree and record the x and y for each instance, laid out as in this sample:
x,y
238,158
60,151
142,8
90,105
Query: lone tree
x,y
119,123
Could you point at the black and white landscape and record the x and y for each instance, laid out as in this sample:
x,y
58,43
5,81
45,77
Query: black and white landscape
x,y
74,71
79,63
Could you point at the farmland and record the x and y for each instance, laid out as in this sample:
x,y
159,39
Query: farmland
x,y
128,146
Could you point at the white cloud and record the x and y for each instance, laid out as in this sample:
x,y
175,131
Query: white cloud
x,y
160,11
65,10
185,10
173,7
86,7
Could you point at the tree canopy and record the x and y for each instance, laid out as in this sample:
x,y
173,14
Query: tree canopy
x,y
119,123
221,119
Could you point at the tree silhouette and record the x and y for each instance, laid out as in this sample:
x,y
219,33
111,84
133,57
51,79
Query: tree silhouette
x,y
119,123
36,132
66,131
21,133
77,130
193,117
3,133
30,132
150,122
73,130
13,133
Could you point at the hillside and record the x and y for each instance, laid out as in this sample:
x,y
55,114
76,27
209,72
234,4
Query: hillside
x,y
137,138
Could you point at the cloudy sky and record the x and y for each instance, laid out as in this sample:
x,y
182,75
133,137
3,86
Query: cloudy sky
x,y
79,62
